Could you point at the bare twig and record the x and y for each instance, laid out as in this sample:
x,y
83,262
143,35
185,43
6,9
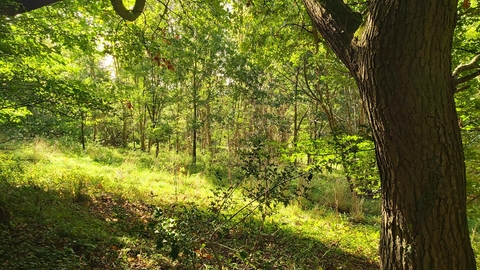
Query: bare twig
x,y
474,198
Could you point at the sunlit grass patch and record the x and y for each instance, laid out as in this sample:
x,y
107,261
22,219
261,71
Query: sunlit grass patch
x,y
119,187
109,170
333,228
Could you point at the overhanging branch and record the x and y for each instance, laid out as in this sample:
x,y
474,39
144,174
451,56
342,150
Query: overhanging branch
x,y
473,64
474,71
14,7
337,23
129,15
468,77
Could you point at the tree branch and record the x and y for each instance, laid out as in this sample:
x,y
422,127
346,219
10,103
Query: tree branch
x,y
474,65
14,7
463,88
468,77
464,67
129,15
337,23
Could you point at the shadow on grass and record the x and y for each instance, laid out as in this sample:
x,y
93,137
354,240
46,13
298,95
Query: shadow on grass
x,y
63,230
60,230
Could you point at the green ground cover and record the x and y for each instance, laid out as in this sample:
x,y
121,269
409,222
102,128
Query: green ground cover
x,y
121,209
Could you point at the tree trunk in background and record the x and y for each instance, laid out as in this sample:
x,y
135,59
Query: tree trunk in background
x,y
402,65
83,129
195,128
194,113
143,126
124,126
296,122
177,121
207,129
94,128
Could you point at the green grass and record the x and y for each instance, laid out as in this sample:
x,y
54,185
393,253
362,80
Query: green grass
x,y
93,209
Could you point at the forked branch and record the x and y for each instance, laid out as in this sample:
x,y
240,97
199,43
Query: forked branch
x,y
473,64
473,70
337,23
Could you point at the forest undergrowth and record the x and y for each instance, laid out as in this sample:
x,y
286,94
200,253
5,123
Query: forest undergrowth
x,y
105,208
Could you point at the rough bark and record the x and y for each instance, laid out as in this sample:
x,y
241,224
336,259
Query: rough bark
x,y
402,65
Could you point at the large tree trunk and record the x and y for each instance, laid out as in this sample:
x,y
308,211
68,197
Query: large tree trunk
x,y
402,65
405,79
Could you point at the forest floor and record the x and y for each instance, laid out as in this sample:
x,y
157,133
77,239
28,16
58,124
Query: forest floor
x,y
110,232
119,209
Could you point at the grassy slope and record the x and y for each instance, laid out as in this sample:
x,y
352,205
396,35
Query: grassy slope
x,y
93,210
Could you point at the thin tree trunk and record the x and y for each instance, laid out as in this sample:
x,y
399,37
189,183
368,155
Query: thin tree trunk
x,y
296,124
177,123
124,127
82,113
143,126
194,133
95,128
207,129
143,117
194,113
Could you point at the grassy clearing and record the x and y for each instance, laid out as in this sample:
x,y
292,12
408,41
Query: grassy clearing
x,y
70,209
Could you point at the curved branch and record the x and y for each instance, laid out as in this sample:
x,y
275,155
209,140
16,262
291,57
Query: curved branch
x,y
129,15
14,7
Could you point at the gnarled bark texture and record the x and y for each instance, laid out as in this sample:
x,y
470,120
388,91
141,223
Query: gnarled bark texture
x,y
402,65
